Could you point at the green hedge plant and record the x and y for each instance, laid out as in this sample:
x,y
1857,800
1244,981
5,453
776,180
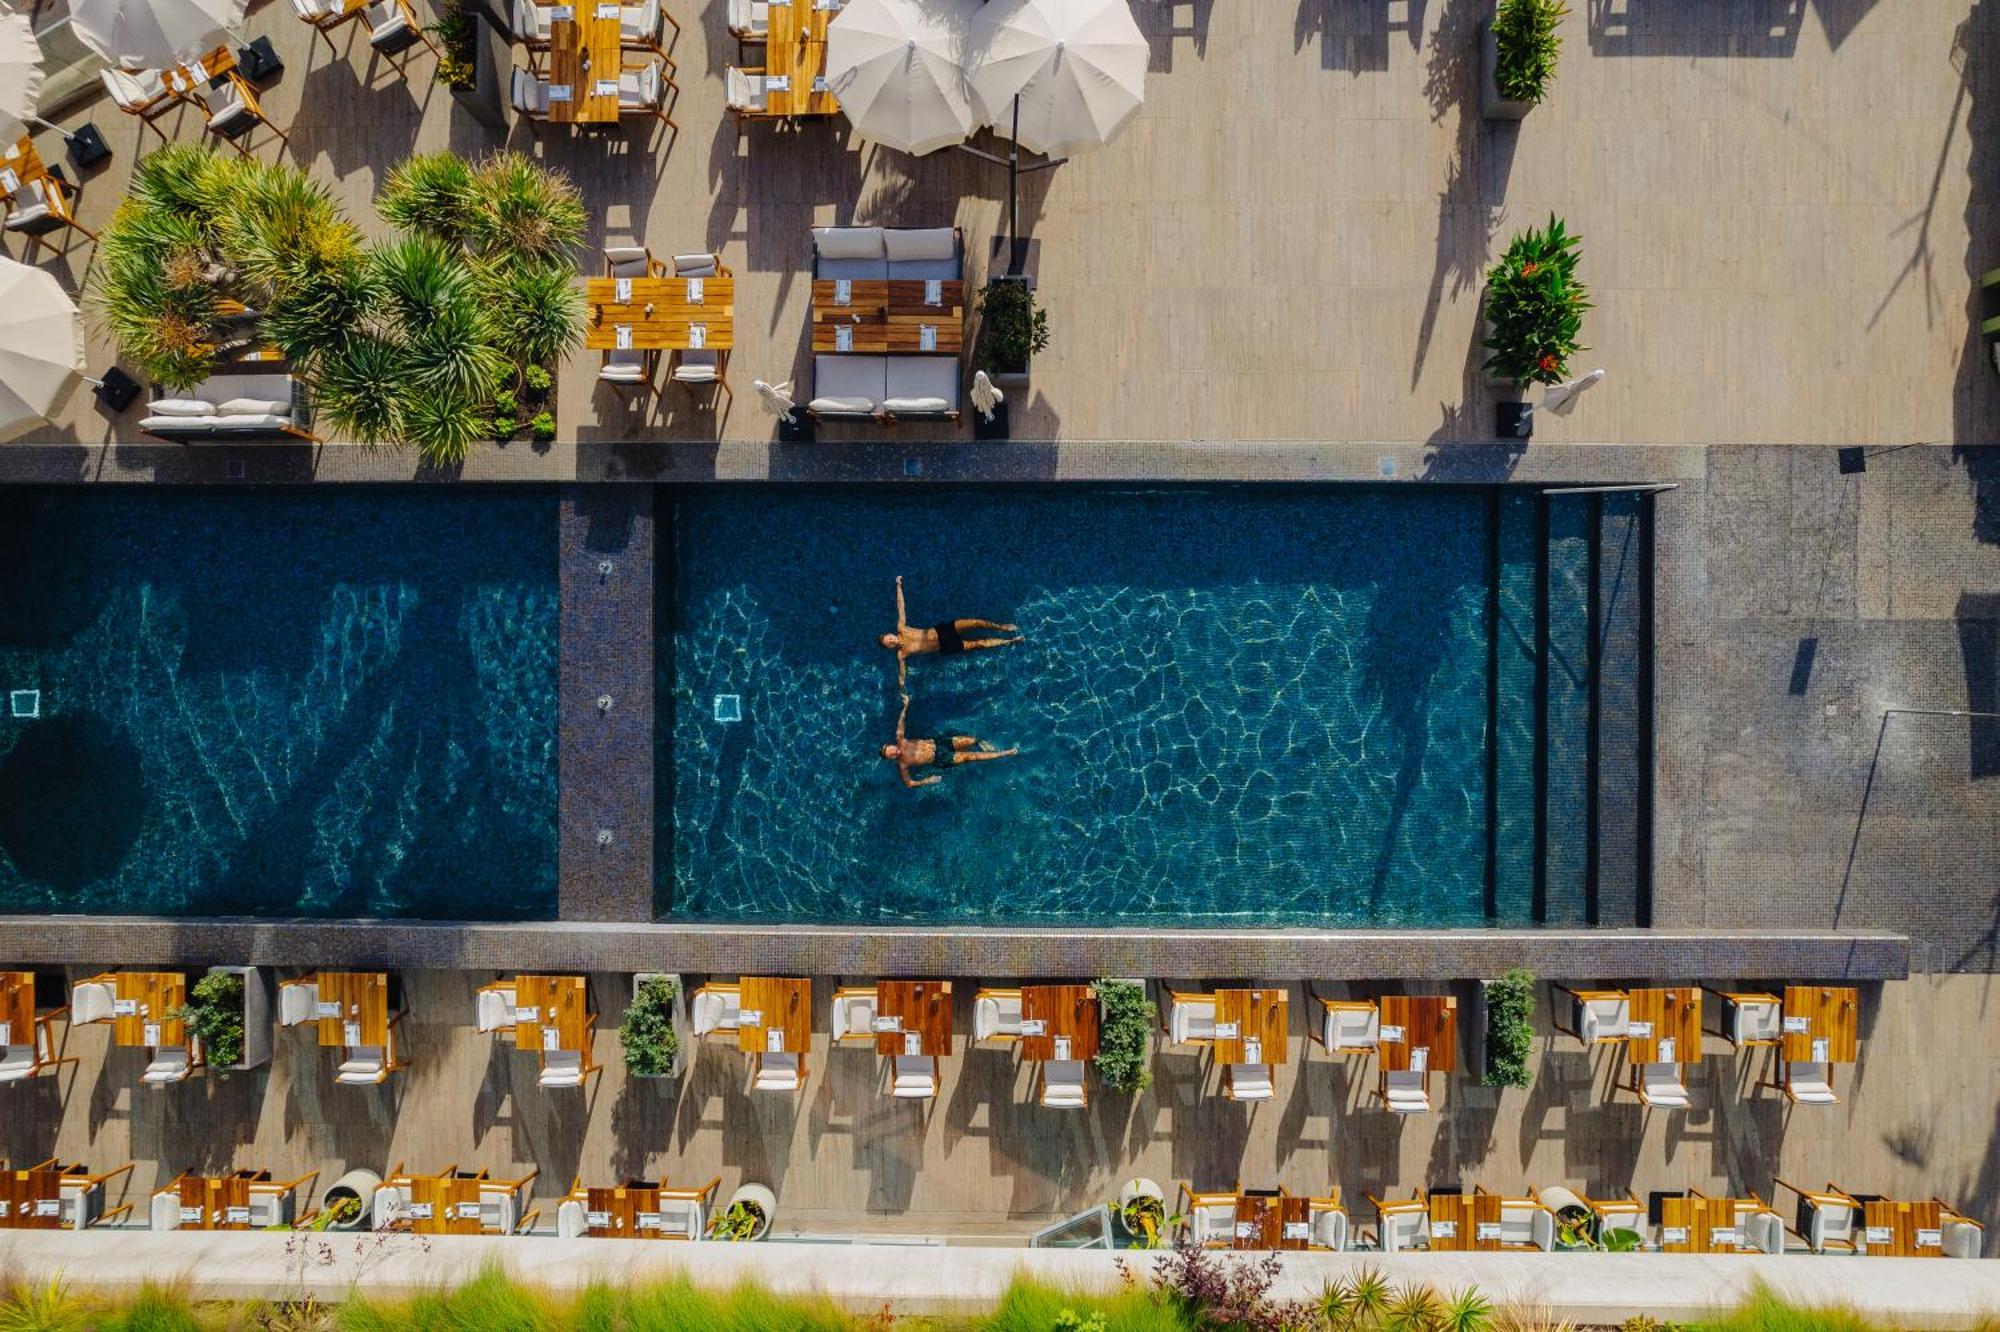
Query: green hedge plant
x,y
214,1015
647,1033
1510,1028
1535,306
1525,45
1126,1025
1012,330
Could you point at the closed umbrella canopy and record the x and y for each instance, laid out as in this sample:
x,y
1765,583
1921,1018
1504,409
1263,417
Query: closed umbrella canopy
x,y
41,345
897,67
20,74
1078,66
154,33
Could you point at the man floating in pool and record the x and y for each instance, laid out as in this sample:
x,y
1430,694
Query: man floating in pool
x,y
943,638
944,752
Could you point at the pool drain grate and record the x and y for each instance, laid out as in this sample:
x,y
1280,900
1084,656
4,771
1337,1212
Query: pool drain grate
x,y
25,702
729,707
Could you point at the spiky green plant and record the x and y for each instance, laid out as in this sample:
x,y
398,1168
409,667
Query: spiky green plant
x,y
537,310
49,1306
430,194
1525,47
442,425
523,212
1466,1310
359,387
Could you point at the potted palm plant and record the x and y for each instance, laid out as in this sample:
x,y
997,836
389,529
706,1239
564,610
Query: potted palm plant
x,y
1142,1213
1012,330
650,1032
1518,56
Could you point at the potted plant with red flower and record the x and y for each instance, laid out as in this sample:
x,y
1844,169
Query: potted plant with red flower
x,y
1534,307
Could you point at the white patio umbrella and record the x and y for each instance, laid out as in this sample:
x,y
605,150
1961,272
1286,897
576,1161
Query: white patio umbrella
x,y
1561,398
1077,68
897,67
20,74
986,395
776,398
41,346
154,33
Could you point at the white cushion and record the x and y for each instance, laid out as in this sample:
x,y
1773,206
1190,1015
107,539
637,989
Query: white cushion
x,y
364,1065
1762,1231
1759,1020
1191,1020
170,1065
849,242
1352,1028
17,1062
1329,1229
91,1001
1603,1019
495,1010
996,1015
1214,1221
744,92
853,1014
681,1216
622,372
1250,1082
1405,1092
923,377
572,1219
916,1077
1962,1239
716,1010
914,406
1661,1084
496,1210
1831,1222
1062,1084
849,377
166,1211
694,265
1405,1230
1809,1082
841,406
639,23
388,1204
181,407
269,1207
688,370
749,16
297,1004
778,1072
562,1068
533,21
248,407
531,94
901,243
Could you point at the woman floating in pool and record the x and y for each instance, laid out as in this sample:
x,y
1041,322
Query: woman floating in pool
x,y
943,638
944,752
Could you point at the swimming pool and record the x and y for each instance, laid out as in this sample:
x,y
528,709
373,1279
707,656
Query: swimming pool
x,y
279,702
1235,706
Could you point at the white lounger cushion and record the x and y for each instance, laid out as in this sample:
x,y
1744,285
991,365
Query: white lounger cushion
x,y
1329,1229
922,378
1405,1092
90,1001
562,1068
1191,1020
572,1219
922,252
849,252
846,382
915,406
1661,1086
778,1072
297,1004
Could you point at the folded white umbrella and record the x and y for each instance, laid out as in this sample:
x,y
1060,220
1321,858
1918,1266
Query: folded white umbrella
x,y
1078,67
776,398
897,67
41,346
152,34
20,74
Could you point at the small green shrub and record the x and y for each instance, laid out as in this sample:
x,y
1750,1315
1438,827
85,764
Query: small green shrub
x,y
1526,45
1122,1037
1510,1028
537,380
543,427
504,427
647,1033
1011,330
505,403
214,1015
737,1223
1536,305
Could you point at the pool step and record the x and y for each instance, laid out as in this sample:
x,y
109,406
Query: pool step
x,y
1569,780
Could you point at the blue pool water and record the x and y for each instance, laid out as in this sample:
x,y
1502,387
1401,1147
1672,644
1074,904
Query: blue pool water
x,y
310,702
1235,706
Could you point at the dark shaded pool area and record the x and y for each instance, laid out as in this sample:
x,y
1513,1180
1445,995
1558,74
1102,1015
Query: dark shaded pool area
x,y
280,702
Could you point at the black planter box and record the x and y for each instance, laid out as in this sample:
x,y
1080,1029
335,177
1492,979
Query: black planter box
x,y
487,100
87,148
1514,420
258,61
994,429
799,428
117,389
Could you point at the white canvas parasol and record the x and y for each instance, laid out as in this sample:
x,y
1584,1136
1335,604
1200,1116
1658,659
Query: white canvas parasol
x,y
20,74
153,34
41,346
897,67
1077,66
776,398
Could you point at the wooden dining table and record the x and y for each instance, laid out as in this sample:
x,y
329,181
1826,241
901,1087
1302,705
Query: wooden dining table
x,y
1271,1222
1903,1229
1066,1012
795,50
1465,1222
551,1013
31,1199
217,1202
353,1008
1665,1026
1412,1022
884,315
919,1008
441,1204
585,57
1815,1013
1701,1225
629,1211
777,1003
142,1008
661,313
17,1008
1261,1015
